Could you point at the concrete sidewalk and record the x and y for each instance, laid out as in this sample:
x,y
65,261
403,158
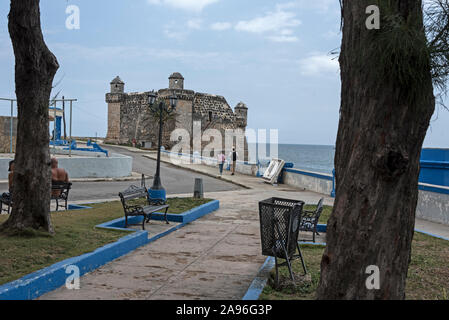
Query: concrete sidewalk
x,y
215,257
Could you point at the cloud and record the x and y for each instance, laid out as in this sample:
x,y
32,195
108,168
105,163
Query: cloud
x,y
319,65
275,25
173,32
180,32
111,55
221,26
272,21
285,35
194,24
190,5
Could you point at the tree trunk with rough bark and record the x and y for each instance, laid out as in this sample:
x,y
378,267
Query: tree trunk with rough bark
x,y
35,69
386,105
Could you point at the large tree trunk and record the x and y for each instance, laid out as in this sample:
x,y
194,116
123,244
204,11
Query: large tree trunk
x,y
35,69
386,107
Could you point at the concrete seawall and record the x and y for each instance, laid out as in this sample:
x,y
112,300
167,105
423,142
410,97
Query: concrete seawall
x,y
307,180
433,205
433,202
83,166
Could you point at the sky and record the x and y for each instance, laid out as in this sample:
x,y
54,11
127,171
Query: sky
x,y
275,56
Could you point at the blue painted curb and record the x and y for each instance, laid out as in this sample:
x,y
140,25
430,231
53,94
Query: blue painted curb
x,y
53,277
432,235
190,215
184,218
77,207
260,281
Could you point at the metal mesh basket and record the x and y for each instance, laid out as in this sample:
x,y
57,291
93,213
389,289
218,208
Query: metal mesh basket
x,y
279,226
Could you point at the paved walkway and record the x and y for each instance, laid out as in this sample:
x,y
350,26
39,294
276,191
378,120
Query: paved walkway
x,y
216,257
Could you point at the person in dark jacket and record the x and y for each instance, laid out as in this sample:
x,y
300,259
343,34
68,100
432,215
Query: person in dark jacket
x,y
233,156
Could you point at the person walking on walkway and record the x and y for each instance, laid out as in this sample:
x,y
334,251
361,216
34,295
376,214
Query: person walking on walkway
x,y
233,157
221,162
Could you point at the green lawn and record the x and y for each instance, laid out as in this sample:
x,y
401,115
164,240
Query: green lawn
x,y
75,235
181,205
428,275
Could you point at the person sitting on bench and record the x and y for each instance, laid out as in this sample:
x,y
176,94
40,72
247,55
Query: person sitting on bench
x,y
58,175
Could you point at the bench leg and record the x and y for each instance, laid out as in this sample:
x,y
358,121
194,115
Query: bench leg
x,y
126,221
143,222
166,216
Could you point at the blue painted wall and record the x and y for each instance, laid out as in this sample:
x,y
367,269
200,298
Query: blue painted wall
x,y
435,167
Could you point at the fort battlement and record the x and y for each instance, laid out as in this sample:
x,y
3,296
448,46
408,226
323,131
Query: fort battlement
x,y
129,118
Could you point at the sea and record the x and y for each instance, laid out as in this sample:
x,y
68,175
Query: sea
x,y
316,158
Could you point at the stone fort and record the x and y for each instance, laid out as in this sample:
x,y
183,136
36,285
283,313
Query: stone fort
x,y
129,117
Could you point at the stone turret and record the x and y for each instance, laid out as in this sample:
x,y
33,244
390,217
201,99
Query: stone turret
x,y
117,85
241,114
114,100
176,81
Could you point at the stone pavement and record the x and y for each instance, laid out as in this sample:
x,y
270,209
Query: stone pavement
x,y
215,257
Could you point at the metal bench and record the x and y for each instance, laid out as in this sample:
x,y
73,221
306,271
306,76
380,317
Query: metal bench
x,y
133,209
5,199
309,220
60,192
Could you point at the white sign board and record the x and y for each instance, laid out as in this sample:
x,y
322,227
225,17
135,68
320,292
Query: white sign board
x,y
274,170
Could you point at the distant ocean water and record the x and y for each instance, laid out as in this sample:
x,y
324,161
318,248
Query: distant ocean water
x,y
318,158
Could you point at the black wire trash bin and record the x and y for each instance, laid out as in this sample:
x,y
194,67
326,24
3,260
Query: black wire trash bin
x,y
279,229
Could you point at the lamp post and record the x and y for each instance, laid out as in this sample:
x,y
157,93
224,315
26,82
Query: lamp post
x,y
157,191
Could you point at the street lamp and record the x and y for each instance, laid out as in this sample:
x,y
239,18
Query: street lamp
x,y
160,109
